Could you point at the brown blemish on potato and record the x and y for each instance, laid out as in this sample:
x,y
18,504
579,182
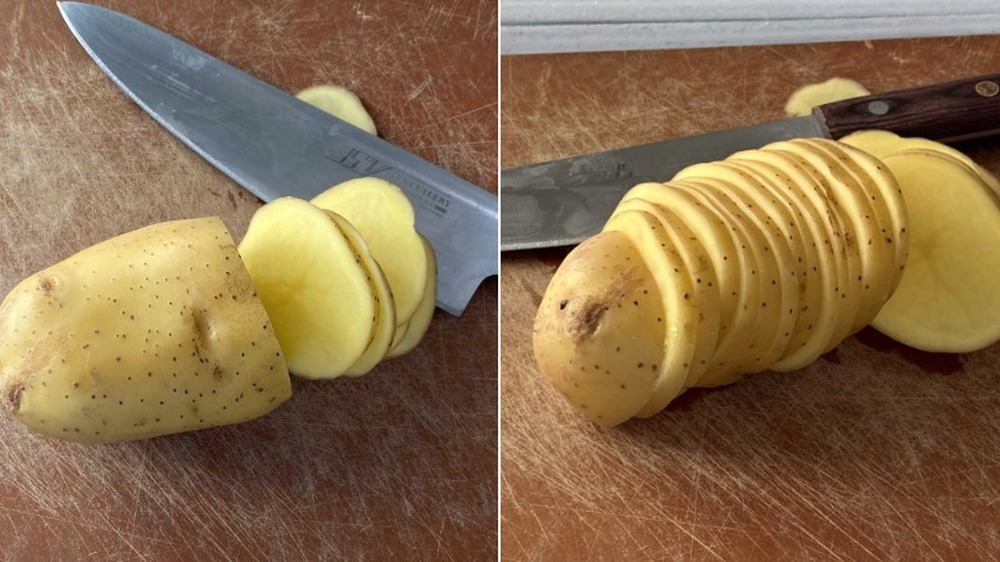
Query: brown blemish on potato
x,y
14,396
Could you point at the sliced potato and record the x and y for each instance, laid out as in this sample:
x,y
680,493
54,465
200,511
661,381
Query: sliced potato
x,y
384,217
415,329
947,299
779,269
817,320
710,228
803,100
735,352
703,281
341,103
676,291
599,331
384,319
880,144
313,286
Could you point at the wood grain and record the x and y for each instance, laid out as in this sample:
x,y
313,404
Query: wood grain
x,y
399,464
874,452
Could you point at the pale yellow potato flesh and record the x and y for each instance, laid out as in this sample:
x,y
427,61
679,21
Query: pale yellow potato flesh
x,y
947,299
153,332
384,318
880,144
680,311
341,103
313,286
803,100
384,217
599,332
417,326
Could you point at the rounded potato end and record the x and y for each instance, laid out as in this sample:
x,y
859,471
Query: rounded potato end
x,y
599,332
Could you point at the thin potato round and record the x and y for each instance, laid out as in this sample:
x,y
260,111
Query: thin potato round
x,y
314,290
680,312
384,319
947,299
384,217
417,326
704,282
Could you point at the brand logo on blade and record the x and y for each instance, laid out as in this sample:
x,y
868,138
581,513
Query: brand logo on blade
x,y
421,194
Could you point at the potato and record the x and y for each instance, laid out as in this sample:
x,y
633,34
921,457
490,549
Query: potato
x,y
947,300
677,293
778,234
415,329
341,103
600,329
384,217
883,143
384,321
803,100
314,284
153,332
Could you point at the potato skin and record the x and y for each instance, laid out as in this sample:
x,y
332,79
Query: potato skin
x,y
153,332
599,332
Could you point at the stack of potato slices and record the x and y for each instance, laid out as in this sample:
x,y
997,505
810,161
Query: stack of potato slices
x,y
763,261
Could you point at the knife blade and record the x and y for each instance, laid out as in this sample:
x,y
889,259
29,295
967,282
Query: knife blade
x,y
275,145
563,202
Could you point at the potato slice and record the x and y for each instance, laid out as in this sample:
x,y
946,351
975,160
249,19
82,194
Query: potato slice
x,y
680,311
153,332
313,286
779,269
765,312
883,143
843,239
710,228
599,331
734,354
820,318
384,320
803,100
861,199
802,236
702,278
947,299
384,217
415,329
341,103
849,209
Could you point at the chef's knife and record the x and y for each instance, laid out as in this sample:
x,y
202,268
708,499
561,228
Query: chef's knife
x,y
274,144
563,202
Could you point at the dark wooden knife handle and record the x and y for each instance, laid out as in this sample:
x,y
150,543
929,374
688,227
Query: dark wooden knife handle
x,y
947,112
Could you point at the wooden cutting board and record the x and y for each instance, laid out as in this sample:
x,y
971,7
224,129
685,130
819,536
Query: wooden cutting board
x,y
875,452
399,464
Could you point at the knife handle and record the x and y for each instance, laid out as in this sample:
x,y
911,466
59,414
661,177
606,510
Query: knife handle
x,y
952,111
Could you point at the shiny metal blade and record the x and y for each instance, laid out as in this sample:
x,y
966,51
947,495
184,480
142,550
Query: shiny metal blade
x,y
563,202
274,144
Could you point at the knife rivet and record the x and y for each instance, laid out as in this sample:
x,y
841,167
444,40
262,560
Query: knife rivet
x,y
987,88
878,108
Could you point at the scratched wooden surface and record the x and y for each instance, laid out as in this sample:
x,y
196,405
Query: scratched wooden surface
x,y
875,452
399,464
